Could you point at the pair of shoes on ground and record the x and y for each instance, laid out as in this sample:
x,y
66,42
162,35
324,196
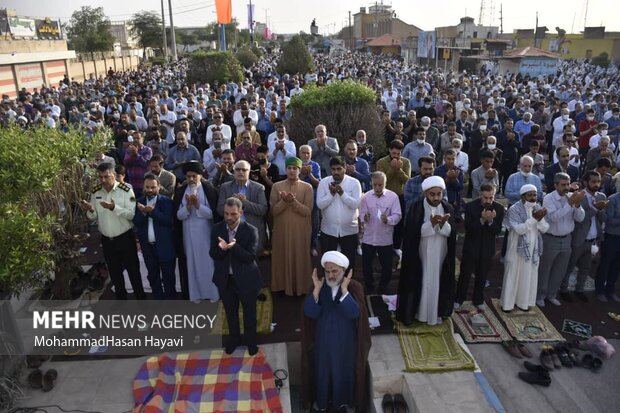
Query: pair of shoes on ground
x,y
34,361
606,298
559,356
554,301
535,374
479,307
516,349
230,348
568,297
394,403
38,380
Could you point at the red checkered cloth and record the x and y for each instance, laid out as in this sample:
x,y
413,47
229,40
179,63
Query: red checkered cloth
x,y
208,381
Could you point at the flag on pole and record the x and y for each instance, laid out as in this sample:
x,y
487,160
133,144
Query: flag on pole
x,y
250,16
224,11
267,33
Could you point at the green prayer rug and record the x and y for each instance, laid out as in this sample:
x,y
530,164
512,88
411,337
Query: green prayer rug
x,y
264,314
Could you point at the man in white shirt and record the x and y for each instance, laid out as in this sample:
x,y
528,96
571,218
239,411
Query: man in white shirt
x,y
338,197
218,125
558,126
281,149
245,112
168,119
296,90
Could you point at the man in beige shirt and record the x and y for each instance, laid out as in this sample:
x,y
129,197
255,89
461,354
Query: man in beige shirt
x,y
113,205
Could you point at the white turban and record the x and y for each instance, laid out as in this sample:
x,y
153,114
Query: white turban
x,y
335,257
527,188
432,182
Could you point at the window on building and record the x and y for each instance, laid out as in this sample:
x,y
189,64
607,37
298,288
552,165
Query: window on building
x,y
588,54
475,35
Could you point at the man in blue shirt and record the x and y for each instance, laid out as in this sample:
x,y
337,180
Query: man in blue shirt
x,y
413,187
416,149
607,273
614,125
453,178
522,177
356,167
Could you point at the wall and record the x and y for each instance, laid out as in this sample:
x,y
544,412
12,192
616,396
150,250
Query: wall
x,y
32,46
80,71
576,47
14,77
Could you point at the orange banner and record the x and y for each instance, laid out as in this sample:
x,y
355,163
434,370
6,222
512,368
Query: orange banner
x,y
224,11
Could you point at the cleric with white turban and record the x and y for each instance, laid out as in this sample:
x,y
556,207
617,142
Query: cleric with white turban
x,y
433,182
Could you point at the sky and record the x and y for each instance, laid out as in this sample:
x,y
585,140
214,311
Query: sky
x,y
291,16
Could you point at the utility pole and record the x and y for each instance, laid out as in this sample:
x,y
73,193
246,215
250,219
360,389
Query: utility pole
x,y
163,28
501,18
172,38
350,32
585,17
251,20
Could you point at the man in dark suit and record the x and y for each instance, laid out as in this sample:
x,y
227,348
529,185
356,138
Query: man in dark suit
x,y
236,273
483,221
153,221
211,196
252,196
562,165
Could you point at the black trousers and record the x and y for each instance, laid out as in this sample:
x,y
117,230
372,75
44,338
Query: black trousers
x,y
470,266
121,253
385,259
397,238
161,273
348,246
231,296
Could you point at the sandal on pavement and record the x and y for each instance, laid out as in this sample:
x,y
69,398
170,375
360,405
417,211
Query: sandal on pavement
x,y
49,380
35,379
400,405
387,404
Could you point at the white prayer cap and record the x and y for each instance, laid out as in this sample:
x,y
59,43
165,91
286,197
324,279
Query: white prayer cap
x,y
527,188
335,257
432,182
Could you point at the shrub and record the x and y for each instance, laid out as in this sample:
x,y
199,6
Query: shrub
x,y
246,57
41,223
212,67
343,107
295,57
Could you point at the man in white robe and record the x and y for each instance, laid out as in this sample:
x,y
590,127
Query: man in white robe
x,y
525,222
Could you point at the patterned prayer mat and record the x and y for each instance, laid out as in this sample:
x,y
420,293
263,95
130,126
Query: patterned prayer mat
x,y
527,326
577,328
206,381
264,315
572,282
432,349
479,326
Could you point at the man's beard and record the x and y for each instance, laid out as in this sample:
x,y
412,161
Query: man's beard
x,y
334,283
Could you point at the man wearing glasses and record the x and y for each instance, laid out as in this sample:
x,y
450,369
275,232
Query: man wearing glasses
x,y
218,125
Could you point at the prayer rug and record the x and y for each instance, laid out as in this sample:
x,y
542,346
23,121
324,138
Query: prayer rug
x,y
478,326
528,326
572,282
577,328
432,349
264,314
206,381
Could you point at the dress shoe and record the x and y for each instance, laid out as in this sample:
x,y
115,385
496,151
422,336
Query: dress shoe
x,y
481,307
566,296
545,360
555,359
261,297
540,303
524,350
535,368
400,405
555,301
582,296
512,348
602,298
387,404
614,297
230,349
252,350
535,378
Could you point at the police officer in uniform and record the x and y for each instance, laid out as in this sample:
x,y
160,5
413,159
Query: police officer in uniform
x,y
113,205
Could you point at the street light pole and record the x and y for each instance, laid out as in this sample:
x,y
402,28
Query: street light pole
x,y
163,27
172,37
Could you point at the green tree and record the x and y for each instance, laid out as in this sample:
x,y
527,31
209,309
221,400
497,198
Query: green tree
x,y
343,107
246,57
89,31
211,67
146,26
186,39
601,60
41,224
295,57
